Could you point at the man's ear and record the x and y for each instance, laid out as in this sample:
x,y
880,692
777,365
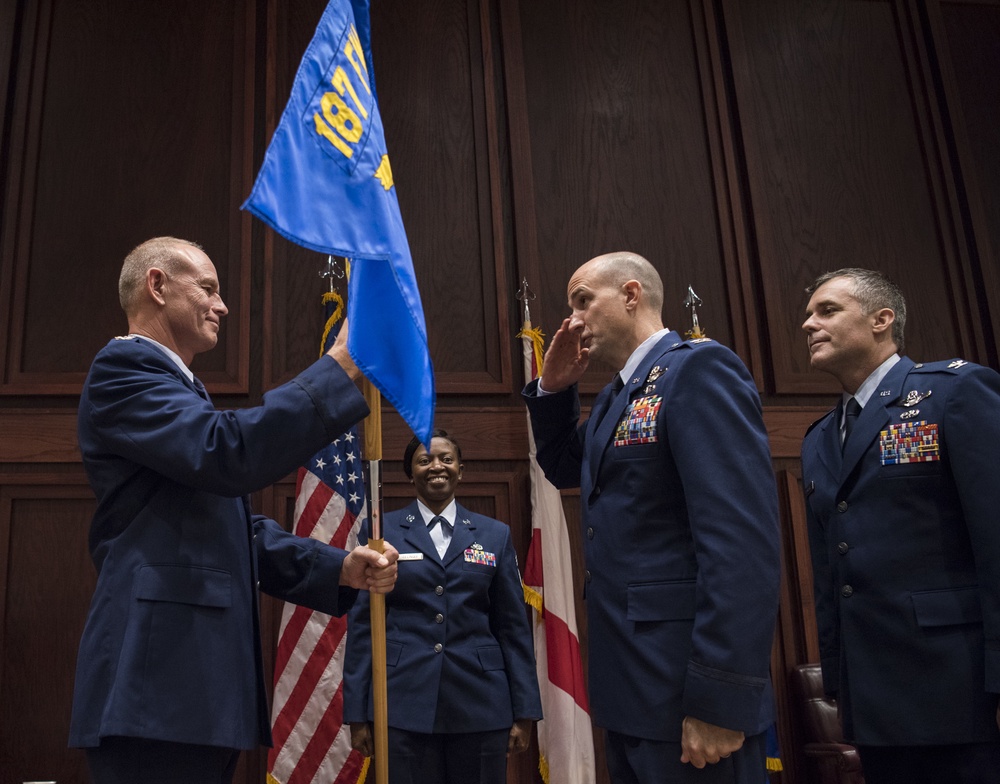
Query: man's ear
x,y
632,289
882,320
156,280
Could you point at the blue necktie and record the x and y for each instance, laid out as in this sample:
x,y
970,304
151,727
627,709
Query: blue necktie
x,y
851,412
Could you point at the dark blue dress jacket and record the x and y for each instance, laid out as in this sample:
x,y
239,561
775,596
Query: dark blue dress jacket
x,y
171,647
904,529
680,533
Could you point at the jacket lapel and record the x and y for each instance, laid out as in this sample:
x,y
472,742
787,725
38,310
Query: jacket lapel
x,y
830,454
415,532
463,535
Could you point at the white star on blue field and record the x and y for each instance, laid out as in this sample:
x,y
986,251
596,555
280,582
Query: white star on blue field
x,y
334,465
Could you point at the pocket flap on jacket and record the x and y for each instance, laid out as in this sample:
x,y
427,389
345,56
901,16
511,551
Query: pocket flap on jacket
x,y
672,601
491,657
947,608
184,584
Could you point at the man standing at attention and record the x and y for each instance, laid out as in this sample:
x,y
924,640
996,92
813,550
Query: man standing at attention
x,y
170,676
680,531
902,498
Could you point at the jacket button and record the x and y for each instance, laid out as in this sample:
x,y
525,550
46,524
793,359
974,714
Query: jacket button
x,y
842,548
439,618
590,533
586,576
847,592
439,590
842,506
597,491
438,648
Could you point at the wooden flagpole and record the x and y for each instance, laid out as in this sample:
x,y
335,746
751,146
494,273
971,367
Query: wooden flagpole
x,y
373,458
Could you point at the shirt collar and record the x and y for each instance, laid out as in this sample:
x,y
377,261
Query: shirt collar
x,y
868,387
449,513
640,354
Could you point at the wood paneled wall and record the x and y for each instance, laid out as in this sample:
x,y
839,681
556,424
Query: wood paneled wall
x,y
742,147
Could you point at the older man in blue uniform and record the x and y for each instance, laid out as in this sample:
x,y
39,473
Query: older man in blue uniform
x,y
902,496
679,528
170,678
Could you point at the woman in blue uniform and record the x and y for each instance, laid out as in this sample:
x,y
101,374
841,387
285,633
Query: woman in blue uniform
x,y
462,689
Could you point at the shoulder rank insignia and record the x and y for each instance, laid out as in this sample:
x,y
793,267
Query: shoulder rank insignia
x,y
957,363
654,374
125,337
913,397
700,340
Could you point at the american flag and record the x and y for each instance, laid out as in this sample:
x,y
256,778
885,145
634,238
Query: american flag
x,y
311,742
565,735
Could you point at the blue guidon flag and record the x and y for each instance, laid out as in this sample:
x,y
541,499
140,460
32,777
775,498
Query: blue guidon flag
x,y
326,184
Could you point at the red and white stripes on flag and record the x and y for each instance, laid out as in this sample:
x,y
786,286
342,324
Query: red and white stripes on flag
x,y
311,742
565,735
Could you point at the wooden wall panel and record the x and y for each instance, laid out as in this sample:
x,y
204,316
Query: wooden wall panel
x,y
100,160
842,170
968,38
46,580
614,154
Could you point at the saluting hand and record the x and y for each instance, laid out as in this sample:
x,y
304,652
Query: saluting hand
x,y
566,358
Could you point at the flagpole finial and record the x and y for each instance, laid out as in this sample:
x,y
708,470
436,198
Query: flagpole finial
x,y
525,295
333,271
692,301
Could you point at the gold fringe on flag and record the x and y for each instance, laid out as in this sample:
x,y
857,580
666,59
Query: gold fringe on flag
x,y
537,338
338,313
534,598
543,768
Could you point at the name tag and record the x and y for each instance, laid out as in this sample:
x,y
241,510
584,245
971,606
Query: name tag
x,y
411,556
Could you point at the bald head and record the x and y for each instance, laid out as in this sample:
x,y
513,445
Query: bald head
x,y
616,300
165,253
616,269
